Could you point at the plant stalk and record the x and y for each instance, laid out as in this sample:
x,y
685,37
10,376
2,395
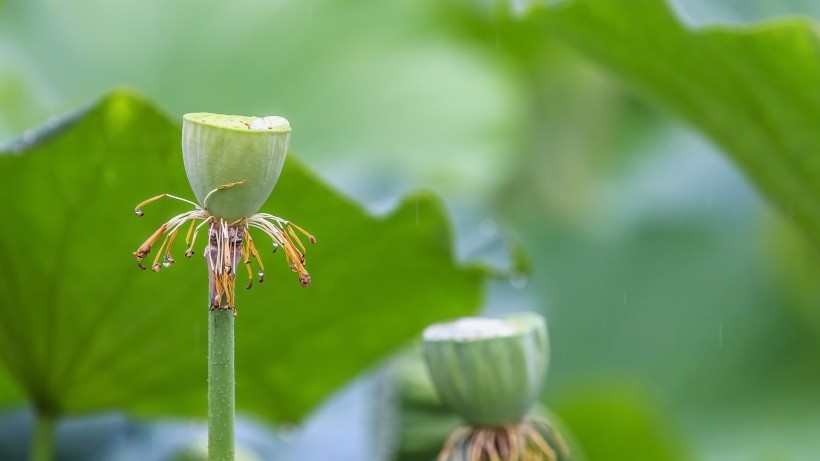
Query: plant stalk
x,y
42,442
221,392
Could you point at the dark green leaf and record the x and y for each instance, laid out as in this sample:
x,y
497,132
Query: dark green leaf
x,y
753,90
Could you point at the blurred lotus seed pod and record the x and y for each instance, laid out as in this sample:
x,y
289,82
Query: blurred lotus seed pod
x,y
489,370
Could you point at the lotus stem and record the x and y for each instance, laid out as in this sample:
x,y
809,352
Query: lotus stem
x,y
221,386
42,442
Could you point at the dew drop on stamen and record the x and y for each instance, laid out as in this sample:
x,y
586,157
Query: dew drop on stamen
x,y
261,276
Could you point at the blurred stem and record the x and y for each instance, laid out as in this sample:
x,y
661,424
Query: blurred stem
x,y
220,385
42,443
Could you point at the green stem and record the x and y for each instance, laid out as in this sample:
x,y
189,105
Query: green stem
x,y
220,385
42,442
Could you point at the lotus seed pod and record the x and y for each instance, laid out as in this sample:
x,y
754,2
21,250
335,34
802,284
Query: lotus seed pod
x,y
488,370
245,153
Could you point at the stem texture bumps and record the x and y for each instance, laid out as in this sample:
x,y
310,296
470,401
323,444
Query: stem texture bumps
x,y
221,393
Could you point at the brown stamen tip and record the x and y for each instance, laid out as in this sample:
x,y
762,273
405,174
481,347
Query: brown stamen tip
x,y
304,280
142,252
312,239
156,267
249,285
141,265
170,260
261,277
139,212
189,252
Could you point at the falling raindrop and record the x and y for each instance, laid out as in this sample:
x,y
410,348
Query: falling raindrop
x,y
720,335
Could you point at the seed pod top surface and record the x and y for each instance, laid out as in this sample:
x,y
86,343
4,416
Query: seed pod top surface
x,y
244,153
489,370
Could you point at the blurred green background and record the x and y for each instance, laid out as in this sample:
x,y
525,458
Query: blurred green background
x,y
682,306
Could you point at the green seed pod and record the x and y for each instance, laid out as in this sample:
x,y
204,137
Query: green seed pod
x,y
489,370
238,157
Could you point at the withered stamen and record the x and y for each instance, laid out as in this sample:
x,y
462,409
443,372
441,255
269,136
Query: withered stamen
x,y
296,239
310,237
227,242
221,187
190,231
138,209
